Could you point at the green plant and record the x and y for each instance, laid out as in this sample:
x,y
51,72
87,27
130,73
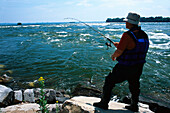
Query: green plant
x,y
57,107
43,101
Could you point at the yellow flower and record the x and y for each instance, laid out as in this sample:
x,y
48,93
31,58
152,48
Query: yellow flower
x,y
56,101
41,79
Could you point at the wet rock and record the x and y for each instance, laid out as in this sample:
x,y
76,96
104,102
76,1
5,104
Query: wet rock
x,y
5,79
6,96
37,94
2,66
50,95
126,100
61,96
18,97
19,23
153,106
158,109
61,99
86,91
29,95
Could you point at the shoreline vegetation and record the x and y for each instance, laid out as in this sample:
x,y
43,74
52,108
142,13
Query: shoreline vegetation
x,y
142,19
118,19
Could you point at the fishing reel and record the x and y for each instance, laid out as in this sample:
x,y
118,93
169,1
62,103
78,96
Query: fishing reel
x,y
108,45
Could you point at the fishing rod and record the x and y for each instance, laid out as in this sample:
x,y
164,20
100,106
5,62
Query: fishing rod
x,y
108,44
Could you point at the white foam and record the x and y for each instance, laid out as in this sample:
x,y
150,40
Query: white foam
x,y
158,53
81,39
75,53
61,32
117,24
158,62
116,29
100,46
160,46
9,26
98,24
118,35
86,35
157,30
55,40
61,25
62,35
158,36
30,26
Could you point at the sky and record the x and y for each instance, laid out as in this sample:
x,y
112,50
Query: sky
x,y
35,11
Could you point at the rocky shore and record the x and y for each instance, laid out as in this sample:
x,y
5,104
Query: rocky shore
x,y
81,101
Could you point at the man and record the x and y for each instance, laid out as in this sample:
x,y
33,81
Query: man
x,y
130,54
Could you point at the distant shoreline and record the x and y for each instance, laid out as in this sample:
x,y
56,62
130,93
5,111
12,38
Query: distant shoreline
x,y
142,19
45,23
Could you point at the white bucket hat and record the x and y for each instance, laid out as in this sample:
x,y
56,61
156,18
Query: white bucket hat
x,y
132,18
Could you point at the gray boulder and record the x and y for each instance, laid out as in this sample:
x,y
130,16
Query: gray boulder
x,y
37,94
50,95
29,96
18,96
6,96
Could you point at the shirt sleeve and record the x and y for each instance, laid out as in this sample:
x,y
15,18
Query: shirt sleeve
x,y
123,42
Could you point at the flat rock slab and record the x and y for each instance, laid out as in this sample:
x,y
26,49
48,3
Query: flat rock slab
x,y
28,108
21,108
79,104
82,104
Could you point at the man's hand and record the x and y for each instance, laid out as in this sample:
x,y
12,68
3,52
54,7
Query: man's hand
x,y
113,58
116,44
116,54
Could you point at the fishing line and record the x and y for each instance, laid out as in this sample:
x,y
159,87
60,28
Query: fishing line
x,y
108,44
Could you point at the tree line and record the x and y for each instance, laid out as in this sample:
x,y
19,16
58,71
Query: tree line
x,y
142,19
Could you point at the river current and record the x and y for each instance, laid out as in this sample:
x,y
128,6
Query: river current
x,y
68,54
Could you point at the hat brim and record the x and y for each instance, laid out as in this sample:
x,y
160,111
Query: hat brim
x,y
131,21
125,20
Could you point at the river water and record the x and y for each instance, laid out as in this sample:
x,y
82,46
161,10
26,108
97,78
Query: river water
x,y
68,54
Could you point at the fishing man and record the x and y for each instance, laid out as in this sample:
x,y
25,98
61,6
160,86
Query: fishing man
x,y
130,54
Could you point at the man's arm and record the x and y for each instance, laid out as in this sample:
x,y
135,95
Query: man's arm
x,y
116,54
121,46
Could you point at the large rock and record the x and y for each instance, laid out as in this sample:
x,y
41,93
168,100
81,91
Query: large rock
x,y
6,96
18,96
21,108
29,95
153,106
50,95
28,108
82,104
61,97
81,90
5,78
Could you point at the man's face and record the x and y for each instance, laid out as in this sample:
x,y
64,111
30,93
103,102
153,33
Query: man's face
x,y
127,25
